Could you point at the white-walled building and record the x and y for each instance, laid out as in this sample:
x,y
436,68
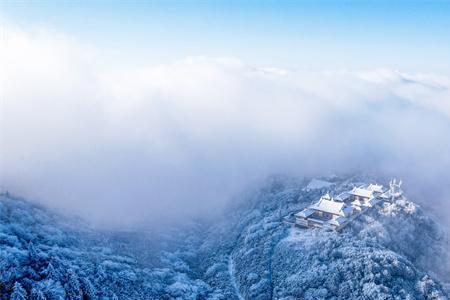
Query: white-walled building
x,y
325,213
375,188
378,191
362,198
336,213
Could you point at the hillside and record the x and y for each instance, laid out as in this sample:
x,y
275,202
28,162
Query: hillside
x,y
249,253
42,257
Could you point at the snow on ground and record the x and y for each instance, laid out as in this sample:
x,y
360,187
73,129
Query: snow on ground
x,y
306,237
233,278
388,254
316,184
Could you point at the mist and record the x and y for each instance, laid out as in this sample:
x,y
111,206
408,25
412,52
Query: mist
x,y
131,144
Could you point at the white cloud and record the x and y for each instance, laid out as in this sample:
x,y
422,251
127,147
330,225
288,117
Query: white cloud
x,y
179,139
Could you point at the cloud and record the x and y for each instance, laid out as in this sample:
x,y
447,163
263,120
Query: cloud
x,y
178,140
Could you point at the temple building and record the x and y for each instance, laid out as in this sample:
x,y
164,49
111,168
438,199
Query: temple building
x,y
326,213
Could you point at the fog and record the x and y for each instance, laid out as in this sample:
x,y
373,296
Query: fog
x,y
127,144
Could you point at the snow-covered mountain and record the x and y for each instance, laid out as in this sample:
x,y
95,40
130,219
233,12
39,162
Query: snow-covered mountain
x,y
395,252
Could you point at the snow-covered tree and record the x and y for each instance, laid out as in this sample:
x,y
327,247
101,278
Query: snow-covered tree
x,y
37,294
72,287
19,292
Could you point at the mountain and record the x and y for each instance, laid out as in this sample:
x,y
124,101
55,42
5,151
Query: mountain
x,y
394,252
43,256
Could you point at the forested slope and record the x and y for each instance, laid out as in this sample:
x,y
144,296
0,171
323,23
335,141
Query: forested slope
x,y
395,252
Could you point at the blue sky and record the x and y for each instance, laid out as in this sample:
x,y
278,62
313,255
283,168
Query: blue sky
x,y
404,35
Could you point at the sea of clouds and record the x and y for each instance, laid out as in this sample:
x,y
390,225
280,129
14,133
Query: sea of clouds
x,y
136,143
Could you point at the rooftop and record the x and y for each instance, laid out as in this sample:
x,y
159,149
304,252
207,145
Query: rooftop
x,y
361,192
305,213
332,207
375,188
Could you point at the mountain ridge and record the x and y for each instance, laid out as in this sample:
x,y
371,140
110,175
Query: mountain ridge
x,y
248,253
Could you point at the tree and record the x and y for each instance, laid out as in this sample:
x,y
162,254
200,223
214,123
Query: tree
x,y
87,289
53,290
19,292
50,272
72,287
32,253
37,294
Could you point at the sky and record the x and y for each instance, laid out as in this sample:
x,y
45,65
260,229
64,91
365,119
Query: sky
x,y
307,35
168,110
